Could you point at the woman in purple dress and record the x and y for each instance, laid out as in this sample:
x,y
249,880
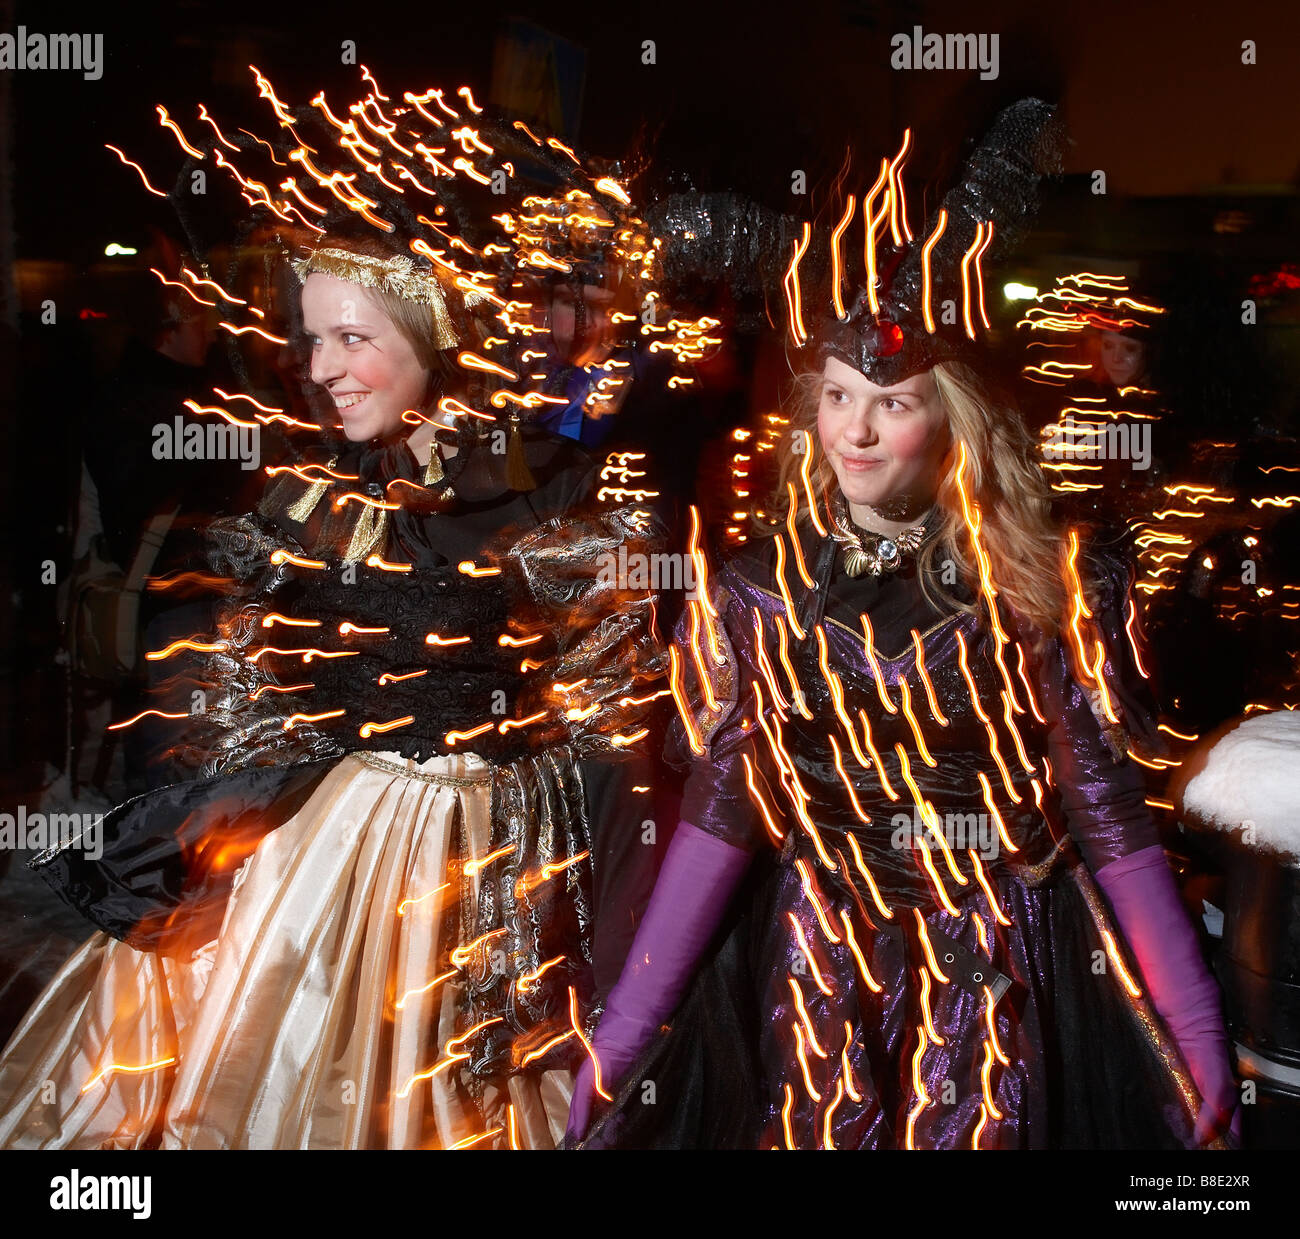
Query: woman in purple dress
x,y
913,714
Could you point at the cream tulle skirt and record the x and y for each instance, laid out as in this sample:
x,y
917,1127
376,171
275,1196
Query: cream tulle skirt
x,y
322,1016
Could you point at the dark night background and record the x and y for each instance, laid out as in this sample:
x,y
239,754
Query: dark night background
x,y
1201,156
1200,152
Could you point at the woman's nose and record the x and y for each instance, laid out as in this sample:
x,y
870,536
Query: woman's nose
x,y
326,364
861,427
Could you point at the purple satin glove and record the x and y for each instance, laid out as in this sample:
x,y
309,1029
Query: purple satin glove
x,y
699,874
1141,890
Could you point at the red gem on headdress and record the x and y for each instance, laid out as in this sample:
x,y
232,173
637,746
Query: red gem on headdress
x,y
889,338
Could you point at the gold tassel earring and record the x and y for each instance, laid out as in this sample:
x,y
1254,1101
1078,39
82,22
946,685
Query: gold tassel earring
x,y
518,475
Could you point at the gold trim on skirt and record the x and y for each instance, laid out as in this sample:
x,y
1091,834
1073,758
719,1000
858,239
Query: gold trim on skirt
x,y
317,1018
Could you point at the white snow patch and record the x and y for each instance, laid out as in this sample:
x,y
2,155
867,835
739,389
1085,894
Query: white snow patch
x,y
1252,775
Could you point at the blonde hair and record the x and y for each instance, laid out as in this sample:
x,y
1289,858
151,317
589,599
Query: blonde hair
x,y
413,320
1000,478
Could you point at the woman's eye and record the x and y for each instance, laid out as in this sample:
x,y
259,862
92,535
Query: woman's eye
x,y
351,337
834,395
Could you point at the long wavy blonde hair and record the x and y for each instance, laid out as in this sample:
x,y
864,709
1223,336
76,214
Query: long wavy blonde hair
x,y
1024,544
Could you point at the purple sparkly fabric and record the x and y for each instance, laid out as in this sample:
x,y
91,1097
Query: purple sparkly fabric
x,y
923,988
868,1030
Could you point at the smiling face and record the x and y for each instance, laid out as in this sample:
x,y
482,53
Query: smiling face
x,y
360,357
886,444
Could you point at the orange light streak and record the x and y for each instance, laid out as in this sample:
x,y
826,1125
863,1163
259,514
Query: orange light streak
x,y
279,688
706,683
679,698
794,537
800,705
545,1048
757,797
939,716
189,292
611,187
221,137
837,695
1024,680
157,193
837,265
559,866
586,1045
765,668
348,627
976,245
829,1115
472,868
463,954
846,1072
926,1014
443,642
870,223
1115,958
818,979
881,907
928,862
979,273
851,938
294,719
994,907
531,979
257,331
992,1027
1015,737
366,730
622,741
795,626
410,903
400,1004
167,123
813,1043
112,1067
377,561
897,199
926,281
452,738
805,879
869,649
454,1055
931,819
143,714
985,1072
786,1109
906,694
863,816
793,297
922,1097
802,1055
470,1141
201,647
993,809
805,474
927,948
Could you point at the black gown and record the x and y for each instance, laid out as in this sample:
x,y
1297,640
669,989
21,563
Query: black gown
x,y
382,916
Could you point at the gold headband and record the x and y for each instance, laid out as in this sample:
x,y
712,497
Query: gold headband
x,y
398,275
